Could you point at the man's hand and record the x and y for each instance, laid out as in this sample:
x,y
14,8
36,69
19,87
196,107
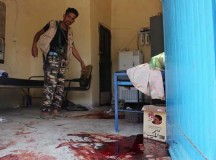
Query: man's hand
x,y
34,44
87,72
83,68
34,50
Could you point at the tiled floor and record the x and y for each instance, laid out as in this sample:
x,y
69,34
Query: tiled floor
x,y
83,135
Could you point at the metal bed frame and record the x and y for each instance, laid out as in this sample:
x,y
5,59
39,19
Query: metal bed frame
x,y
38,82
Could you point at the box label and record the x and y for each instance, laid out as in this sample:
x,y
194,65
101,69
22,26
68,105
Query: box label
x,y
155,125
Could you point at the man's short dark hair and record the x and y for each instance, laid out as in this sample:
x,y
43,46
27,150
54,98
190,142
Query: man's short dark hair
x,y
72,10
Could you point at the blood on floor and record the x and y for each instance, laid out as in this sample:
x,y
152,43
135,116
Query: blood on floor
x,y
26,155
100,115
102,147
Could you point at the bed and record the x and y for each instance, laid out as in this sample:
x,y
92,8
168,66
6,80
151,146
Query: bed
x,y
20,83
24,84
76,84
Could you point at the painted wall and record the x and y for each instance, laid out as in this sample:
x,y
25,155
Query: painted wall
x,y
24,19
82,38
128,17
100,14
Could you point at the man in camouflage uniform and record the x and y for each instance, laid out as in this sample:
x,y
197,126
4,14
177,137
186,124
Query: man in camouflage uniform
x,y
56,42
54,83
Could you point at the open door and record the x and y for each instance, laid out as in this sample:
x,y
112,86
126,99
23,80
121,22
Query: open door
x,y
104,65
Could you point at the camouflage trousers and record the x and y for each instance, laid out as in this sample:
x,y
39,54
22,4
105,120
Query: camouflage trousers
x,y
54,77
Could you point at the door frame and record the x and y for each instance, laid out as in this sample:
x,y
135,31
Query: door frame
x,y
108,31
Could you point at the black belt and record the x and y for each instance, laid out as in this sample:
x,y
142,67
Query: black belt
x,y
58,50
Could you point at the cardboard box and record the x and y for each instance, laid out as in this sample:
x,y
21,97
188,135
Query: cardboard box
x,y
154,122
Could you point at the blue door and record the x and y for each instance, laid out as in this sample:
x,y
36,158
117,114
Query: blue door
x,y
190,49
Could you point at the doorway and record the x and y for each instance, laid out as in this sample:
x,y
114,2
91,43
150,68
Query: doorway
x,y
104,65
2,30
